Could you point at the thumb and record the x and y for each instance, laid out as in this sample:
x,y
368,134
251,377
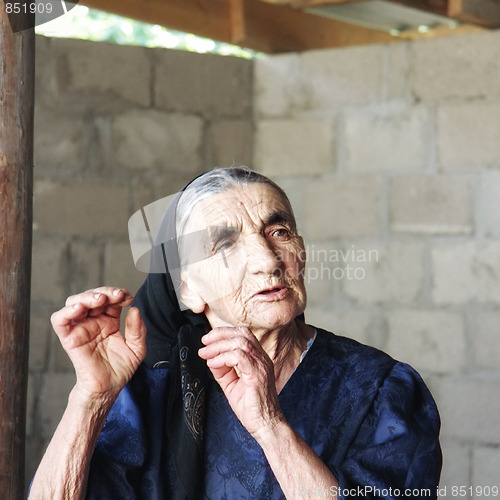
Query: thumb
x,y
135,333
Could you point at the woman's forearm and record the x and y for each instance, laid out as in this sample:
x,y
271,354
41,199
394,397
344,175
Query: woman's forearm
x,y
64,469
297,468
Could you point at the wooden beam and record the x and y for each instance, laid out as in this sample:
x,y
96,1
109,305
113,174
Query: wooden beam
x,y
484,13
438,7
16,192
250,23
207,18
272,28
237,21
299,4
434,6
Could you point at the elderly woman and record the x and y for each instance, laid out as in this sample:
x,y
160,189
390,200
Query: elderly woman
x,y
237,397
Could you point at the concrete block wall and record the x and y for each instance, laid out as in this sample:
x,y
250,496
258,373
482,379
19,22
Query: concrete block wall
x,y
116,128
391,156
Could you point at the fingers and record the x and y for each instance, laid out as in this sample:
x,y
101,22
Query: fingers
x,y
226,332
228,348
63,318
135,333
225,337
232,358
116,296
226,374
91,303
226,345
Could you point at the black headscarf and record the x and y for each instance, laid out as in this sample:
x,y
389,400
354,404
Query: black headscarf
x,y
173,339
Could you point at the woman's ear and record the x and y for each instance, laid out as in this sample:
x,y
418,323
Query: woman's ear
x,y
190,297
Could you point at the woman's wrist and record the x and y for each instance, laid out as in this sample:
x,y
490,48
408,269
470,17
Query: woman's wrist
x,y
97,403
63,471
271,431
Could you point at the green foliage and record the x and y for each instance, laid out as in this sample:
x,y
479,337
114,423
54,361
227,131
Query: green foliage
x,y
90,24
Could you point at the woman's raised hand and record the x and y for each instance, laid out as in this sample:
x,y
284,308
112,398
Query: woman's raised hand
x,y
246,375
89,330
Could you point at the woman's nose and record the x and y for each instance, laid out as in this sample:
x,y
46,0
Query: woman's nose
x,y
262,256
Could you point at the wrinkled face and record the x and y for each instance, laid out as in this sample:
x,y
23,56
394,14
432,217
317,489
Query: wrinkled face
x,y
245,260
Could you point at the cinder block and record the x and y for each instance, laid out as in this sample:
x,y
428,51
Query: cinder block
x,y
485,466
60,142
469,408
394,273
82,209
332,79
146,140
487,339
341,207
389,138
468,134
397,71
428,340
456,467
293,147
466,272
119,268
460,66
453,277
48,270
431,205
277,91
489,204
104,72
210,85
53,399
231,143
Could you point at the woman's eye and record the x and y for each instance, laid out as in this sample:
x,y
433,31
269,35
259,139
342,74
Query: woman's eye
x,y
223,245
280,233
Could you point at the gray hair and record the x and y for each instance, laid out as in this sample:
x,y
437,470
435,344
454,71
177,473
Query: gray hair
x,y
217,181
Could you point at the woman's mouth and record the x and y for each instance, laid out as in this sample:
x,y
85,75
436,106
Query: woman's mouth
x,y
271,294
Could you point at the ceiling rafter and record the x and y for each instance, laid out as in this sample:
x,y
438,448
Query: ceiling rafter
x,y
484,13
254,24
283,25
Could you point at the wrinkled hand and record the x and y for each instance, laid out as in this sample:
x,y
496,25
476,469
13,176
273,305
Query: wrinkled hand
x,y
89,330
246,375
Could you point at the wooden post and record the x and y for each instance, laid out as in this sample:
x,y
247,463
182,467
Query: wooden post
x,y
16,193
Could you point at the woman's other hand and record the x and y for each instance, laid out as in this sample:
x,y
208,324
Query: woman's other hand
x,y
89,330
246,375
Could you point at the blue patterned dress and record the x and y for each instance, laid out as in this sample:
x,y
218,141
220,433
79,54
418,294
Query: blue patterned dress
x,y
369,418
